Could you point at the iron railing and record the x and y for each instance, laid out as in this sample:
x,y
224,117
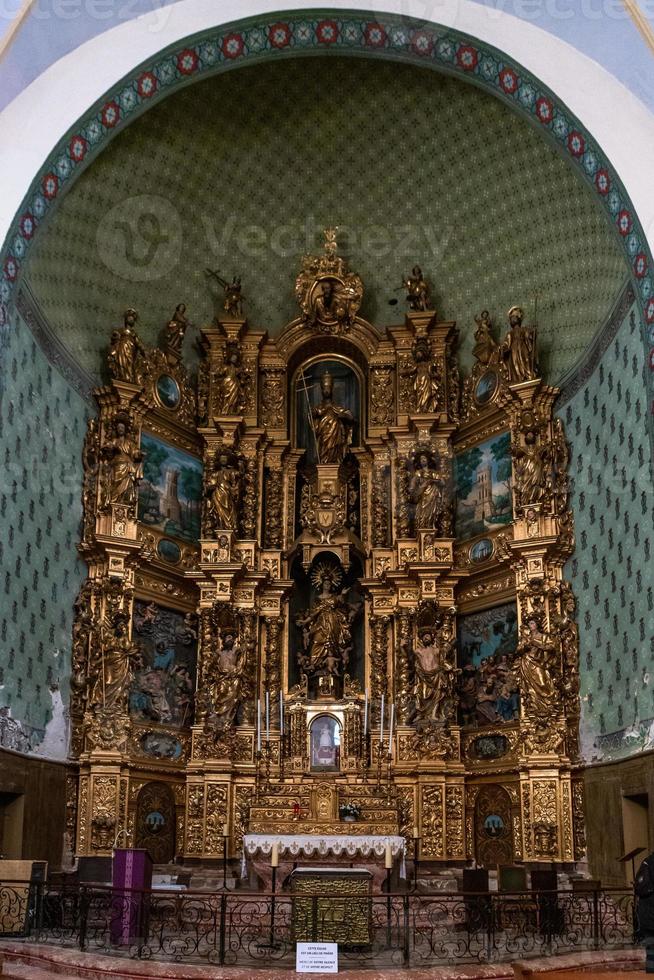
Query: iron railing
x,y
257,928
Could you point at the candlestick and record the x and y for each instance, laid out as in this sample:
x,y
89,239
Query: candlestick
x,y
267,716
365,716
390,729
381,722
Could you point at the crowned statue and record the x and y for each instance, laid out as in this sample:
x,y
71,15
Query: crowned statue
x,y
332,424
326,627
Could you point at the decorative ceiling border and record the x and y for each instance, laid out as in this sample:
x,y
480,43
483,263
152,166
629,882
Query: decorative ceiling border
x,y
356,34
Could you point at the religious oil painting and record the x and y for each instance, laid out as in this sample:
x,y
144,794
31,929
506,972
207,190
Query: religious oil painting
x,y
488,691
162,690
483,487
170,492
325,743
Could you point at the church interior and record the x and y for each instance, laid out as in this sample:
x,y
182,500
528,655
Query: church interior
x,y
327,502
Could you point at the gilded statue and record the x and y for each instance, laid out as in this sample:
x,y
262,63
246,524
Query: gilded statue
x,y
125,349
176,329
123,461
118,654
417,291
530,473
538,659
226,684
223,492
435,675
332,424
326,627
230,379
485,344
427,381
426,492
518,349
233,301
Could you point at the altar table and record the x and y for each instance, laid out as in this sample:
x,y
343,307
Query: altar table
x,y
293,847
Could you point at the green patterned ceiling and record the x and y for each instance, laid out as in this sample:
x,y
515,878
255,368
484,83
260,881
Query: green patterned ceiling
x,y
240,172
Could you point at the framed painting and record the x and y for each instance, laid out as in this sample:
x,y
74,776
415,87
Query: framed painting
x,y
170,493
488,683
483,487
164,681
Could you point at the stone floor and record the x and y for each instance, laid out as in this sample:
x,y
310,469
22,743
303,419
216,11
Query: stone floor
x,y
34,962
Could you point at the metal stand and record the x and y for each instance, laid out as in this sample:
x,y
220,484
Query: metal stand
x,y
225,839
416,846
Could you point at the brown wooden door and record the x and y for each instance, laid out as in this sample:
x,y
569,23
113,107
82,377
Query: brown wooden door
x,y
155,822
493,830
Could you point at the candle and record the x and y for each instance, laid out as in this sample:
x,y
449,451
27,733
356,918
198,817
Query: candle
x,y
390,729
267,716
281,714
365,716
388,857
258,724
381,722
274,857
225,830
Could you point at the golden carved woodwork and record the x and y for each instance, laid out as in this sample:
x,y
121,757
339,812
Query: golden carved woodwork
x,y
264,512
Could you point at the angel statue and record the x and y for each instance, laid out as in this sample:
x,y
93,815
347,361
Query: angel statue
x,y
417,291
176,329
223,492
326,627
233,301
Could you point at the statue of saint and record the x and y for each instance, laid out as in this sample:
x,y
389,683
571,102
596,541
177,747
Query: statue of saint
x,y
111,686
530,472
427,380
326,630
227,682
223,493
176,329
518,349
485,344
332,424
426,492
124,462
231,383
125,347
417,290
538,658
435,676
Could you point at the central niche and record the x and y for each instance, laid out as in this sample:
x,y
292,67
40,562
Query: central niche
x,y
326,626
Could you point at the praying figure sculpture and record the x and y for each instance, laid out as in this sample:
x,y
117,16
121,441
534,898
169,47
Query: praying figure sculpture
x,y
332,424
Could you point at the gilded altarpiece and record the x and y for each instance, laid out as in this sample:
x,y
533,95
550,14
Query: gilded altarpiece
x,y
326,576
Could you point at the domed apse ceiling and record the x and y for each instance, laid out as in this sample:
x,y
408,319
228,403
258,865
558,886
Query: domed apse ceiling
x,y
241,172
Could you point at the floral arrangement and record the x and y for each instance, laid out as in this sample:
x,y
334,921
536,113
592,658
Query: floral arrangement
x,y
349,811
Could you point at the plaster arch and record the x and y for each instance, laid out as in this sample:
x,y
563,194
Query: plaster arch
x,y
121,73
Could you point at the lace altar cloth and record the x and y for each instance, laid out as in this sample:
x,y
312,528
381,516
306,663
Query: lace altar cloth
x,y
308,845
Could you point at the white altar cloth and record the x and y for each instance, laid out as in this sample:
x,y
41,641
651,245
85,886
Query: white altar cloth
x,y
345,845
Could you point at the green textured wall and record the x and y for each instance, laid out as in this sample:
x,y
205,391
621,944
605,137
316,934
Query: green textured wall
x,y
42,424
242,171
607,425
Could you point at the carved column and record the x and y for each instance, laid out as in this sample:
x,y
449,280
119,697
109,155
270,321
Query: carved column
x,y
272,669
274,496
378,663
403,685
